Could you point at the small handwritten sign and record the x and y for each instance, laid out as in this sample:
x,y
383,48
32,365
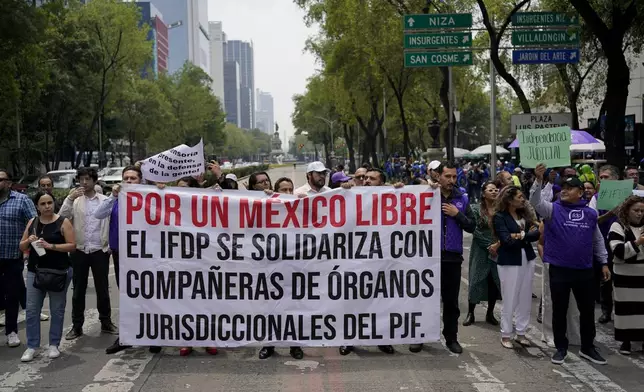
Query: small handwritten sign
x,y
613,193
548,146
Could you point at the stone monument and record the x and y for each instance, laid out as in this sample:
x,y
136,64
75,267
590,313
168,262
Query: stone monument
x,y
276,146
434,152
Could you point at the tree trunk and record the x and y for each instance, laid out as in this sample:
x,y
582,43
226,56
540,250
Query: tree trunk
x,y
349,133
617,82
327,156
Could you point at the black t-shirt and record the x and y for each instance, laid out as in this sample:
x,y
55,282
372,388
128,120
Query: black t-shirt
x,y
53,234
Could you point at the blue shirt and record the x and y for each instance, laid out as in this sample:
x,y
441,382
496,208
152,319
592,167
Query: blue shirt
x,y
15,213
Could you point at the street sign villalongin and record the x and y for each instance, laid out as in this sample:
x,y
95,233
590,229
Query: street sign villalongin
x,y
438,40
546,37
525,19
437,59
545,56
437,21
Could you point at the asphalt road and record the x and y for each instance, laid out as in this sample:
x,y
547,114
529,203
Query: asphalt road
x,y
485,366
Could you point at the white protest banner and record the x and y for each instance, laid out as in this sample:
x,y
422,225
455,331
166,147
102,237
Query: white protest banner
x,y
204,268
540,121
175,163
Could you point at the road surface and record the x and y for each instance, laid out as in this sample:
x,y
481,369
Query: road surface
x,y
485,366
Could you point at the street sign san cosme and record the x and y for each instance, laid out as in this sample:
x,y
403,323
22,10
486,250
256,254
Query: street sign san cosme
x,y
438,40
546,37
437,59
437,21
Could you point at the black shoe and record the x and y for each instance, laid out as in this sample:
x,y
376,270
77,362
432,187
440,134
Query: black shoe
x,y
115,347
109,327
625,348
346,350
592,355
469,320
559,357
266,352
604,318
490,319
386,349
74,333
416,348
454,347
297,353
534,295
155,349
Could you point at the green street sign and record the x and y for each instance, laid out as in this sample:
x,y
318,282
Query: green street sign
x,y
546,37
437,59
544,19
438,40
437,21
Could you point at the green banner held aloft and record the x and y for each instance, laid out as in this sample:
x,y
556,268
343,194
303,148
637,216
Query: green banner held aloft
x,y
613,193
548,146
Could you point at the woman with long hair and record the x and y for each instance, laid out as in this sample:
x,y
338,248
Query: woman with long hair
x,y
51,238
516,227
483,275
626,240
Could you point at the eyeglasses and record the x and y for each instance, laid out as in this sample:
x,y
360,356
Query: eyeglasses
x,y
4,179
263,182
359,177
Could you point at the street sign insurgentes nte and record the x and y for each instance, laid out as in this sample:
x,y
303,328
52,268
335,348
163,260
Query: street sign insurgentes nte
x,y
545,37
545,56
437,59
437,21
438,40
526,19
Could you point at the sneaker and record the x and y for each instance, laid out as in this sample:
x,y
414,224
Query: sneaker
x,y
109,327
53,352
74,333
592,355
13,340
44,317
28,355
559,357
625,348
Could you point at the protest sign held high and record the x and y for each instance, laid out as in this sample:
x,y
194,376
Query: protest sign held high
x,y
548,146
346,267
172,164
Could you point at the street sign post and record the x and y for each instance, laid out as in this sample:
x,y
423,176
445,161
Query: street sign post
x,y
437,59
545,37
438,40
527,19
545,56
437,21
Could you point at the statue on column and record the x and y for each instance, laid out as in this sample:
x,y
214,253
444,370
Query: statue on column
x,y
276,144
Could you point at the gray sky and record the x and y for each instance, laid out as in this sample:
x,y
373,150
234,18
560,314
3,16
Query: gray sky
x,y
278,32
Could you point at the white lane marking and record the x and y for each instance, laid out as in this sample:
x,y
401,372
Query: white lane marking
x,y
119,374
579,368
28,373
484,380
303,365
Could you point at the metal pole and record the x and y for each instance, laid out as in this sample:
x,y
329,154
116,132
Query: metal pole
x,y
492,121
384,123
100,141
450,127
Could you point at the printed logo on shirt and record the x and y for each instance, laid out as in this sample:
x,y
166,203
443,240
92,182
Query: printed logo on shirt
x,y
576,215
459,204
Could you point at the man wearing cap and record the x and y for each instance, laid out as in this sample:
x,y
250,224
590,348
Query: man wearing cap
x,y
316,174
573,242
338,178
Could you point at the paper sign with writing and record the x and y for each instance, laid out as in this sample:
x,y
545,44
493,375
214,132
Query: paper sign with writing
x,y
175,163
613,193
548,146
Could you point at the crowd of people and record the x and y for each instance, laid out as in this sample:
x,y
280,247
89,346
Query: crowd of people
x,y
596,255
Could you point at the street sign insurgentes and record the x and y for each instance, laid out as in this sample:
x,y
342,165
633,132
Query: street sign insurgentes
x,y
546,37
437,21
437,59
438,40
525,19
545,56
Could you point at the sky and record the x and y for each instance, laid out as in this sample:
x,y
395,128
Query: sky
x,y
279,33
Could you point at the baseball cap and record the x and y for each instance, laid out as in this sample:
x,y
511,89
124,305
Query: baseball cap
x,y
573,182
231,176
340,177
316,166
433,165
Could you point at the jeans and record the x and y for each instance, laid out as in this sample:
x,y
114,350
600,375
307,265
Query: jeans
x,y
450,287
12,285
580,282
99,263
57,303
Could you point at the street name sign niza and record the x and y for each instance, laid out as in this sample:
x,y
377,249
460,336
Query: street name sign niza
x,y
525,19
438,40
545,37
545,56
437,21
437,59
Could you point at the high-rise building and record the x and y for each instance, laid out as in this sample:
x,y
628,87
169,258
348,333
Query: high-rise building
x,y
187,22
242,53
217,38
158,35
232,92
265,112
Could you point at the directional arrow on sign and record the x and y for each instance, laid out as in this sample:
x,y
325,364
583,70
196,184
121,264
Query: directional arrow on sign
x,y
466,38
410,22
573,36
573,55
466,58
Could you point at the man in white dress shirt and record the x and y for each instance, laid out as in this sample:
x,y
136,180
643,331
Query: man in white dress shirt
x,y
316,175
